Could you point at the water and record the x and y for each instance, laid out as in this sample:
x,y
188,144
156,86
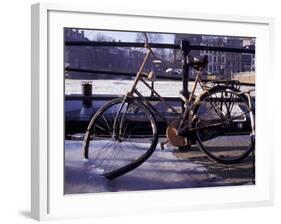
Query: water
x,y
120,87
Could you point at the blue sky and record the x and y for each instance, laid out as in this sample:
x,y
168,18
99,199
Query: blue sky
x,y
124,36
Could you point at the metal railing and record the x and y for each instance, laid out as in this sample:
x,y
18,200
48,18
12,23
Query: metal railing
x,y
157,45
185,48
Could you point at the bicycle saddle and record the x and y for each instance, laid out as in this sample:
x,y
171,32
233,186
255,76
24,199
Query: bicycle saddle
x,y
197,62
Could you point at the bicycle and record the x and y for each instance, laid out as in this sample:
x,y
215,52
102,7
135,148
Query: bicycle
x,y
123,133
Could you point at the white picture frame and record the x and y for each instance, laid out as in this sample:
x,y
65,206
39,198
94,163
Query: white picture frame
x,y
48,201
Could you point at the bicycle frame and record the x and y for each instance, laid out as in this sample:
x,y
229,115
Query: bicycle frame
x,y
187,114
141,77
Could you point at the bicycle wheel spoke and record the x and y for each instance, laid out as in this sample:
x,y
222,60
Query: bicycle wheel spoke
x,y
101,128
232,103
113,115
214,106
106,122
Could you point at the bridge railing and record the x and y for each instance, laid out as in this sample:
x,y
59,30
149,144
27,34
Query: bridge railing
x,y
185,48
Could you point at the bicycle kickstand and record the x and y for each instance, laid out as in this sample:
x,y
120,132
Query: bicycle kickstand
x,y
162,144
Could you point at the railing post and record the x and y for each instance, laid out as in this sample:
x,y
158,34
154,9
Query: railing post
x,y
152,86
185,49
87,107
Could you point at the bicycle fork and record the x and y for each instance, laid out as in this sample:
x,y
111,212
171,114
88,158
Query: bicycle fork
x,y
115,133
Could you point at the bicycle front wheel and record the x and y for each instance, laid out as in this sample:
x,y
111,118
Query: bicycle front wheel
x,y
120,137
224,125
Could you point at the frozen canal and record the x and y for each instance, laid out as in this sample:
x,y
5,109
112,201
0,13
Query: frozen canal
x,y
168,169
120,87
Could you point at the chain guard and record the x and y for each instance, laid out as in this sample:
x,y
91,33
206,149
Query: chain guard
x,y
173,138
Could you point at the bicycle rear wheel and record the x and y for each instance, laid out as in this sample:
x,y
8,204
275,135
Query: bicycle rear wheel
x,y
223,125
120,137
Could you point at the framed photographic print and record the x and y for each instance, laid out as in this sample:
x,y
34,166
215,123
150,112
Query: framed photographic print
x,y
141,111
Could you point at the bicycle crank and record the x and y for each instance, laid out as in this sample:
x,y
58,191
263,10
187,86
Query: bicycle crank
x,y
173,138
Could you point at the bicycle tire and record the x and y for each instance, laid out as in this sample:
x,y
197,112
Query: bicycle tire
x,y
232,148
131,155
